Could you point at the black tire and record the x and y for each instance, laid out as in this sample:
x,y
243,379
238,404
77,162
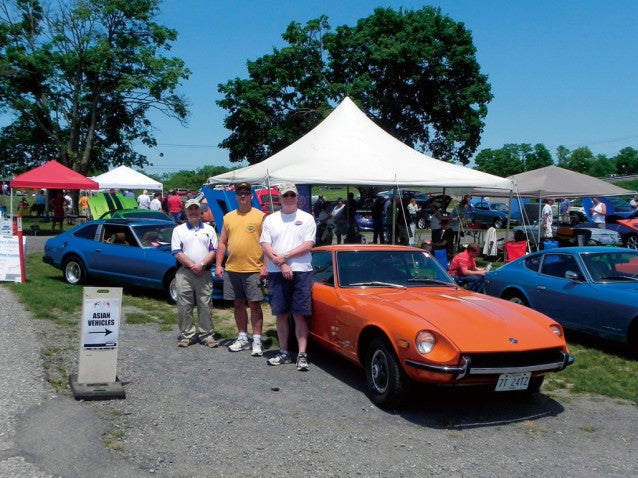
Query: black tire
x,y
386,382
516,297
632,241
421,223
170,289
74,270
498,223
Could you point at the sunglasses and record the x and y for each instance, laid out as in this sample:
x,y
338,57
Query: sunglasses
x,y
244,194
289,195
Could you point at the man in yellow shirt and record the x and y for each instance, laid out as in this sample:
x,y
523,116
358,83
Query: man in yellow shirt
x,y
244,268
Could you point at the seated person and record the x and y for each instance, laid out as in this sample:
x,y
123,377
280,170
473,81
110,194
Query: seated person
x,y
445,242
464,271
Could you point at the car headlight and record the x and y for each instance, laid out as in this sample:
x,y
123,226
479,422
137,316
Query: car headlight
x,y
556,329
425,342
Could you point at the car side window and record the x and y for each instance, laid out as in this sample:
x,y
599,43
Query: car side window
x,y
556,265
532,263
323,268
86,232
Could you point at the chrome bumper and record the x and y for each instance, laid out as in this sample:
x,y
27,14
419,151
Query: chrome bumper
x,y
465,368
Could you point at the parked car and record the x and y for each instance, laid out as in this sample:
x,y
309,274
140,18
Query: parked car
x,y
587,289
627,230
124,252
394,311
268,199
490,214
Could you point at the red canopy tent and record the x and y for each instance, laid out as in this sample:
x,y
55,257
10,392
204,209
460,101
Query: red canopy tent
x,y
53,175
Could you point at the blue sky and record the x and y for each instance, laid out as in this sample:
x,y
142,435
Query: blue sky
x,y
562,72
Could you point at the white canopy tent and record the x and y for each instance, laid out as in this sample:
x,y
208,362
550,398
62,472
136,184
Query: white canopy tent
x,y
124,177
349,148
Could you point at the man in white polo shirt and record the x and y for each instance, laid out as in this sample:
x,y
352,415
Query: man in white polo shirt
x,y
194,244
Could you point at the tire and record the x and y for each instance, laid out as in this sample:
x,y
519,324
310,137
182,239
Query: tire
x,y
386,382
516,297
632,241
421,223
498,223
170,289
74,270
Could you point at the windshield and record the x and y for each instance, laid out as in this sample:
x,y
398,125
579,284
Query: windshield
x,y
153,235
612,265
389,269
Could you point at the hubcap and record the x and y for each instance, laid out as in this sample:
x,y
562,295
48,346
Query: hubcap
x,y
379,371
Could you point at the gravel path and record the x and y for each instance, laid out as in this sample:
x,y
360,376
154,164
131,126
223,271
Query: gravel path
x,y
208,412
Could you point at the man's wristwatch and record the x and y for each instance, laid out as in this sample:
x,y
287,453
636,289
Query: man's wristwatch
x,y
286,256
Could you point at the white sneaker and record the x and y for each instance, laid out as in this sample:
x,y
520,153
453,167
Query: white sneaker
x,y
239,345
257,352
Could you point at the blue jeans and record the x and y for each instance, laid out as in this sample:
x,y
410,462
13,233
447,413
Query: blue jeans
x,y
474,283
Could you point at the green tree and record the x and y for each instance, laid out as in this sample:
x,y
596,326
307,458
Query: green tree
x,y
79,79
601,166
539,157
192,180
579,160
626,162
414,72
500,162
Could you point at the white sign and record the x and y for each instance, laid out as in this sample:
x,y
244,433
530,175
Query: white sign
x,y
99,335
10,259
101,323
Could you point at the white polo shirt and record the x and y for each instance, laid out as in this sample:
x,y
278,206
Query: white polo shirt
x,y
195,242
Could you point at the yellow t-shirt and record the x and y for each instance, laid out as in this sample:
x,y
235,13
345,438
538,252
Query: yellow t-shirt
x,y
243,232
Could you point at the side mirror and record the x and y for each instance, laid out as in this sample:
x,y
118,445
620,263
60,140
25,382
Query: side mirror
x,y
571,275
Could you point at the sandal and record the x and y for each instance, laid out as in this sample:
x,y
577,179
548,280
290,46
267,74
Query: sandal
x,y
210,342
184,343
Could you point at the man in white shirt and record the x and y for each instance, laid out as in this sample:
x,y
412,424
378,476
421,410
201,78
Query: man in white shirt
x,y
548,219
144,200
286,239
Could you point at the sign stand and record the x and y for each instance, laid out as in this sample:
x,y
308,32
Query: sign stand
x,y
97,368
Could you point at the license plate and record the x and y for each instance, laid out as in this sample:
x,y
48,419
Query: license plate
x,y
513,381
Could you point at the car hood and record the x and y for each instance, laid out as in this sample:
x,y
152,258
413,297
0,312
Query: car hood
x,y
471,321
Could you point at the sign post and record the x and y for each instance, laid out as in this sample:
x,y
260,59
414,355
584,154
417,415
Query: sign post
x,y
99,334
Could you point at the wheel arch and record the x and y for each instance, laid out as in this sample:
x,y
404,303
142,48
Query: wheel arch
x,y
512,291
367,335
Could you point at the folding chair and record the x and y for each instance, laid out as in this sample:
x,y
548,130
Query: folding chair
x,y
514,250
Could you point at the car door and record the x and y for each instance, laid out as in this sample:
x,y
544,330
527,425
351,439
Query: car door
x,y
324,298
572,302
122,262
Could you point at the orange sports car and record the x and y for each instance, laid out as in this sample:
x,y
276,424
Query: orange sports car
x,y
394,311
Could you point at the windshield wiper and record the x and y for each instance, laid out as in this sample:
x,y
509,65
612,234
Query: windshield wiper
x,y
432,281
619,278
379,283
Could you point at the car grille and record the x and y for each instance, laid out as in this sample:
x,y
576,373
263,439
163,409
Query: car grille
x,y
500,362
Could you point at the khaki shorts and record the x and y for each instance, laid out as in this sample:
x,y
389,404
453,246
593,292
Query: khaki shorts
x,y
243,285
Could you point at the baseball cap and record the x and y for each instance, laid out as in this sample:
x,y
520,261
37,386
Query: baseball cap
x,y
243,185
192,202
287,188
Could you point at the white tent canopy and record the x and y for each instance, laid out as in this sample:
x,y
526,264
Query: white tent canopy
x,y
124,177
349,148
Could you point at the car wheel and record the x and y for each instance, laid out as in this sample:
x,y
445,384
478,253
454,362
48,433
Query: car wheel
x,y
74,270
516,297
386,382
421,223
171,288
498,223
632,242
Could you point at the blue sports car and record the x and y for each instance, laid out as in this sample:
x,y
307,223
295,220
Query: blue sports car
x,y
123,252
587,289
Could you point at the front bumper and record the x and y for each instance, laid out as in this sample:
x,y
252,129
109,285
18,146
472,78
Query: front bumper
x,y
465,369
